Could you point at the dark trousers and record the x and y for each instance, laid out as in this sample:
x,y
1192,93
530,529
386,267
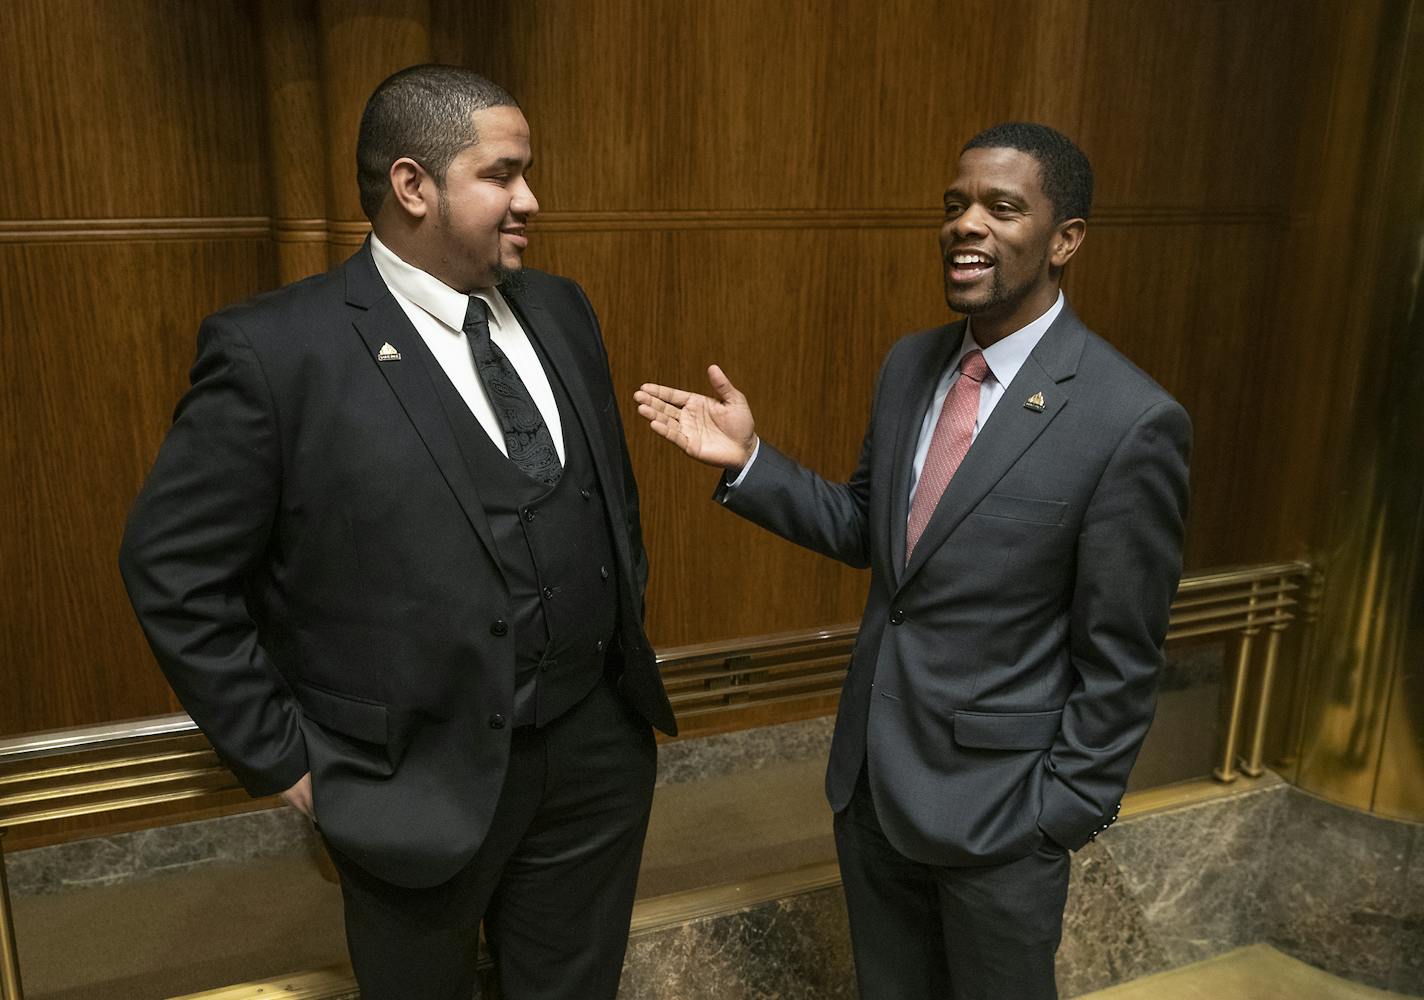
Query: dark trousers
x,y
928,932
553,881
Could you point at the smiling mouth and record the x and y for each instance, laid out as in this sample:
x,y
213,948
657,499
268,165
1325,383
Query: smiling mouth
x,y
965,266
516,236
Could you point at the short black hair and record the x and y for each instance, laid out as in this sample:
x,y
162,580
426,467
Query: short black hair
x,y
422,112
1067,175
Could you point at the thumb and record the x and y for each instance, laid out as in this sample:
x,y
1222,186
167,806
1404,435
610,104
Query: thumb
x,y
723,386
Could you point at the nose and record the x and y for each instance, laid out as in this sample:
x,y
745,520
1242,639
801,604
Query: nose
x,y
968,224
524,204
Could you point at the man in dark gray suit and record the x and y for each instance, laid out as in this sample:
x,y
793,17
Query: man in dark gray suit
x,y
1019,499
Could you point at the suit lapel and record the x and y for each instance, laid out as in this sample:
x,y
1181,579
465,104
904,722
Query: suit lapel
x,y
1011,428
918,395
380,321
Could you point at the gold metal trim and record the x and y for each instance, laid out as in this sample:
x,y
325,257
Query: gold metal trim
x,y
10,986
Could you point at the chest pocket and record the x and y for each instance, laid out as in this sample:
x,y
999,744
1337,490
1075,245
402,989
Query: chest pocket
x,y
1028,509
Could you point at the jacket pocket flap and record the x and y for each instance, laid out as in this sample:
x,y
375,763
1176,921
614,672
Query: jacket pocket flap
x,y
355,717
1022,508
1007,730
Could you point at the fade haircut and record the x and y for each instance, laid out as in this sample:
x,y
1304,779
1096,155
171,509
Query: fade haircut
x,y
1065,172
422,112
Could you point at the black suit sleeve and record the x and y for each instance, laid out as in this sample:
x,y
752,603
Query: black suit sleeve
x,y
201,524
1129,564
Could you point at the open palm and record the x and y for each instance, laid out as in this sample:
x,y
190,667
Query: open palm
x,y
717,429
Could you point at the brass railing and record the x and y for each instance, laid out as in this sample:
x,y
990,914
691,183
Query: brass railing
x,y
101,769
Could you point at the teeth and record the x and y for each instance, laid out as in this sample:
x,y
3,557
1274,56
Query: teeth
x,y
970,258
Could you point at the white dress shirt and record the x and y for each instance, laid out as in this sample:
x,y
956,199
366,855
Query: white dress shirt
x,y
437,312
1004,359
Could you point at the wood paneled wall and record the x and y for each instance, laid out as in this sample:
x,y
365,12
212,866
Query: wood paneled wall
x,y
753,184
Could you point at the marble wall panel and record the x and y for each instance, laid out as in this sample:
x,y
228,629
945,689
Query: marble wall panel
x,y
109,860
683,761
791,949
1346,894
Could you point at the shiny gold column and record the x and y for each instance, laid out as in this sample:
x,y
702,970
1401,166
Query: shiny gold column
x,y
10,988
362,43
1362,738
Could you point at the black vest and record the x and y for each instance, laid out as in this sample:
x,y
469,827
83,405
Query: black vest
x,y
554,547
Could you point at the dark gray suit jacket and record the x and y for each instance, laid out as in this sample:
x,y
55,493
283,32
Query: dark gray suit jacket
x,y
1004,680
312,564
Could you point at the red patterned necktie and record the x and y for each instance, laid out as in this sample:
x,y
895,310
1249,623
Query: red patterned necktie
x,y
953,433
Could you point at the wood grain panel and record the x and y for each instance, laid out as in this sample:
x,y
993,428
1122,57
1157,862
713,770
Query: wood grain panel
x,y
752,184
296,161
725,105
362,43
130,108
98,339
733,105
1191,103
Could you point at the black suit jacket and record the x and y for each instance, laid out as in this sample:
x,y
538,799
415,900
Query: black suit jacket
x,y
1004,679
312,565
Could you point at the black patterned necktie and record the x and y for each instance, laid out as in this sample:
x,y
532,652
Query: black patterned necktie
x,y
526,436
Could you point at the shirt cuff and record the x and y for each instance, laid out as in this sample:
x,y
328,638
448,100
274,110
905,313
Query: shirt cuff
x,y
733,484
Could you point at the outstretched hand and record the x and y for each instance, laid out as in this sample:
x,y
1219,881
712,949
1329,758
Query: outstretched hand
x,y
718,430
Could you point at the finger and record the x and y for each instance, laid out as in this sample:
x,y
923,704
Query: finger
x,y
666,393
659,411
672,432
656,405
722,385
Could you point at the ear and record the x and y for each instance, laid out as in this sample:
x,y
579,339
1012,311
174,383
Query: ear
x,y
1067,238
412,189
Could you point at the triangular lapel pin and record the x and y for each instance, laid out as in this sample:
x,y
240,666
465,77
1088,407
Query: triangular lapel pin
x,y
1034,403
388,353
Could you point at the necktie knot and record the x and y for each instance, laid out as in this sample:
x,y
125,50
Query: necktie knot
x,y
476,316
973,365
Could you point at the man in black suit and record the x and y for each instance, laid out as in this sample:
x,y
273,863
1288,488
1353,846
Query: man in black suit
x,y
389,557
1019,500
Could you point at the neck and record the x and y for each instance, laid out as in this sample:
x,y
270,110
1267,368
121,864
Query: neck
x,y
993,326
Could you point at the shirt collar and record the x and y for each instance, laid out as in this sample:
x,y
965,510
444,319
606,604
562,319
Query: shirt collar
x,y
1005,357
425,291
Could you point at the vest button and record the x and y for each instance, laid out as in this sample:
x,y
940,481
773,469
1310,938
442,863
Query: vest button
x,y
528,514
496,721
499,627
598,645
897,616
603,572
585,494
548,593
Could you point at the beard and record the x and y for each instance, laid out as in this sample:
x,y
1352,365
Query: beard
x,y
509,279
1001,296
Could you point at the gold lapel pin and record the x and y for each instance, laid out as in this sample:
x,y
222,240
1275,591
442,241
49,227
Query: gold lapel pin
x,y
1034,403
388,353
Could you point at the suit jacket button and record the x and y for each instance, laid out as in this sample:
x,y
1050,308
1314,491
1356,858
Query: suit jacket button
x,y
897,616
499,627
598,645
548,593
585,494
528,514
603,572
496,721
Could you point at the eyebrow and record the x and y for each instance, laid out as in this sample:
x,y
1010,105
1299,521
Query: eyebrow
x,y
510,162
993,194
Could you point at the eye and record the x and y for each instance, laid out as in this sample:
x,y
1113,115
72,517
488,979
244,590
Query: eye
x,y
952,208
